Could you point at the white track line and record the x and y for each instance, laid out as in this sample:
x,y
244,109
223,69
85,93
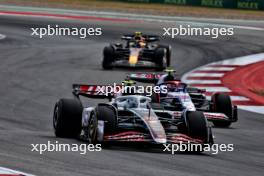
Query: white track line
x,y
256,109
239,61
239,98
207,68
207,75
152,18
214,89
233,98
242,60
203,81
6,171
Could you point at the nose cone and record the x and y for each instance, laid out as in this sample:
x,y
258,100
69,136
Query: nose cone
x,y
133,59
191,108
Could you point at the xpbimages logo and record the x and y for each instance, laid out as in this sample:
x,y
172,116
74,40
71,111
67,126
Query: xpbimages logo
x,y
123,89
59,147
191,147
65,31
187,30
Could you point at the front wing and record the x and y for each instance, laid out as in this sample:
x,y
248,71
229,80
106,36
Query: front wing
x,y
134,136
210,116
140,63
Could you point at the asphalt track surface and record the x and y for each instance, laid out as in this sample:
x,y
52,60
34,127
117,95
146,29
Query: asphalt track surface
x,y
34,73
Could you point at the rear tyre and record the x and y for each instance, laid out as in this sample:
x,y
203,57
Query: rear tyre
x,y
160,59
168,56
67,118
108,58
108,115
222,103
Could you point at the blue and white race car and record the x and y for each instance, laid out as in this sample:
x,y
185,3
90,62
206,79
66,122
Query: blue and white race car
x,y
180,97
127,118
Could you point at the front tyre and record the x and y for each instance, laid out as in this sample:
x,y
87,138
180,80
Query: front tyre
x,y
160,59
67,118
222,103
108,115
197,125
197,128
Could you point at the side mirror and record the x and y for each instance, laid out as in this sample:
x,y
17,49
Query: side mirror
x,y
148,106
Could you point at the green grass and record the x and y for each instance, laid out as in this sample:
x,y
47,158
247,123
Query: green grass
x,y
156,9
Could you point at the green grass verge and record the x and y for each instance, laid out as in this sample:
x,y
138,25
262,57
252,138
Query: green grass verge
x,y
142,8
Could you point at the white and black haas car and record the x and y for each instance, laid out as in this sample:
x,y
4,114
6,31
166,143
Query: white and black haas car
x,y
127,118
179,97
138,51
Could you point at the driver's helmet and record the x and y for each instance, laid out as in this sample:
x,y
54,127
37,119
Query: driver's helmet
x,y
132,103
128,82
139,39
170,75
138,36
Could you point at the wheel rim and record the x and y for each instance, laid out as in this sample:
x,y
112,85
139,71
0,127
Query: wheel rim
x,y
92,129
164,62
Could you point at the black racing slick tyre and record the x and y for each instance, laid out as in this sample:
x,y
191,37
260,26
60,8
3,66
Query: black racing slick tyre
x,y
222,103
160,59
67,118
197,125
108,57
109,116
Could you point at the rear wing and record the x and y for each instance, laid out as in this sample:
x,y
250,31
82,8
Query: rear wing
x,y
195,90
148,38
151,38
145,77
94,91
